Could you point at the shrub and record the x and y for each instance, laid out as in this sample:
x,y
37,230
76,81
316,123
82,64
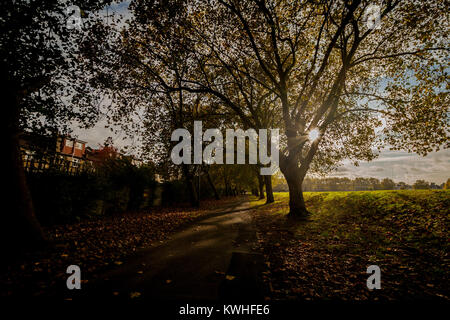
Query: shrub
x,y
115,186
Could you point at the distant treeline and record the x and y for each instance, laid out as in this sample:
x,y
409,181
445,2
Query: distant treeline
x,y
359,184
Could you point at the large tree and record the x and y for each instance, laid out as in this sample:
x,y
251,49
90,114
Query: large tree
x,y
38,53
340,78
142,72
335,70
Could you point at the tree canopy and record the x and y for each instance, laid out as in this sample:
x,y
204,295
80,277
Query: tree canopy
x,y
303,66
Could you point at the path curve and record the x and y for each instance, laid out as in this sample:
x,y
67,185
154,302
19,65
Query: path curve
x,y
210,260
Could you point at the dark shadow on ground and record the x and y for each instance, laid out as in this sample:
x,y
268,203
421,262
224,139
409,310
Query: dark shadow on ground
x,y
210,260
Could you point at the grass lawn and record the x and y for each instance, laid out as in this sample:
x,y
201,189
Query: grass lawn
x,y
405,233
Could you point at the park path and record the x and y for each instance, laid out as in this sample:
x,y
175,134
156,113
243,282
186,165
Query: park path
x,y
210,260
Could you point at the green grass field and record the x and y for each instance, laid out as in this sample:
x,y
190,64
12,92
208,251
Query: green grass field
x,y
405,232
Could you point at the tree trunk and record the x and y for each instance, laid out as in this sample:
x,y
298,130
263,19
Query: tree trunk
x,y
269,192
294,179
227,187
21,230
193,196
211,184
297,207
261,186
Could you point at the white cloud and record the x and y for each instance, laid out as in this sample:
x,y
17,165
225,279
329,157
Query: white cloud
x,y
402,166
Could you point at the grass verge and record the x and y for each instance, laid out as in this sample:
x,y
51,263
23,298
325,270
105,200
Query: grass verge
x,y
405,233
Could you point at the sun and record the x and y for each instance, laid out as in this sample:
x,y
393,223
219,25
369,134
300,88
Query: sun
x,y
314,134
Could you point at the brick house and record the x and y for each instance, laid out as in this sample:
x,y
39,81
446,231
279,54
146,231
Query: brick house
x,y
41,152
72,149
71,146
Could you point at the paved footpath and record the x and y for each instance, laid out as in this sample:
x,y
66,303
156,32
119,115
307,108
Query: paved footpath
x,y
210,260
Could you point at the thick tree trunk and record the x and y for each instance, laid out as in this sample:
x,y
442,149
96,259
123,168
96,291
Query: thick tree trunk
x,y
261,186
269,192
297,207
211,184
20,228
294,179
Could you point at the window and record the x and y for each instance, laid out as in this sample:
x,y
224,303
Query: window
x,y
69,143
75,162
78,145
29,155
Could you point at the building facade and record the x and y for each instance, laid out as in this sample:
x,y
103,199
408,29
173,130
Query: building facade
x,y
44,152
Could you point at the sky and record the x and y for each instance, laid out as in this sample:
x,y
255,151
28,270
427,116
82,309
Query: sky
x,y
397,165
402,166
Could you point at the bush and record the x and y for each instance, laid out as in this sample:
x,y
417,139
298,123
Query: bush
x,y
115,186
59,197
174,192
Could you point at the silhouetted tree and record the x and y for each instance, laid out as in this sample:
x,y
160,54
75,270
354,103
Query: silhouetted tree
x,y
38,53
421,184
